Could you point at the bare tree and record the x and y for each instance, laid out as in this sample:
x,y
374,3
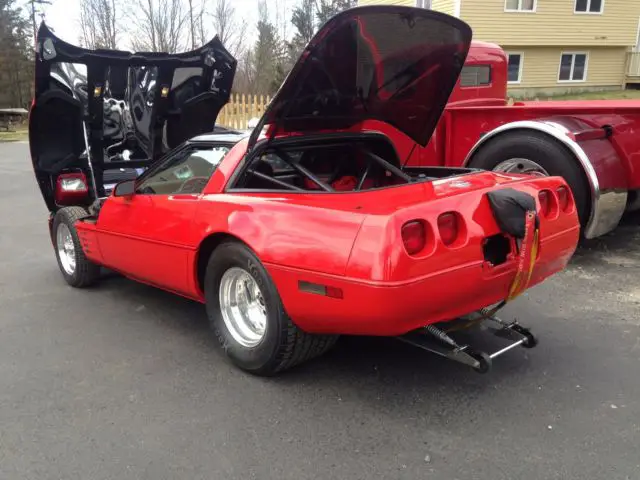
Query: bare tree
x,y
99,23
245,80
229,29
202,29
158,25
192,25
281,20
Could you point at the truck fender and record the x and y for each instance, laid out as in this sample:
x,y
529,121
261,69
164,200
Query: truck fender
x,y
592,151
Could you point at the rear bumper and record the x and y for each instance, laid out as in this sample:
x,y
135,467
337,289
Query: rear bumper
x,y
395,308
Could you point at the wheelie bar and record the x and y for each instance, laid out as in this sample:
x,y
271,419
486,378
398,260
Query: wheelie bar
x,y
437,340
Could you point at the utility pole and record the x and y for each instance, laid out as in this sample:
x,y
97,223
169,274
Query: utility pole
x,y
33,15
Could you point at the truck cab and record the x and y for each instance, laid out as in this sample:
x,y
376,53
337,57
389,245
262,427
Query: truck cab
x,y
483,80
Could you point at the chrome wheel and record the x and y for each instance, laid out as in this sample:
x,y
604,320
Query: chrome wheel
x,y
243,307
521,165
66,249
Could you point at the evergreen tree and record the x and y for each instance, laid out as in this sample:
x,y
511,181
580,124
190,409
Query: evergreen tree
x,y
268,57
16,56
303,21
329,8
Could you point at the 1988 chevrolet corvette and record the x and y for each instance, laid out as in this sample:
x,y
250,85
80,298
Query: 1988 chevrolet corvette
x,y
310,226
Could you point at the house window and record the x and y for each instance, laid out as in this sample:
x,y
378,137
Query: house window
x,y
573,67
520,5
514,72
475,76
423,3
589,6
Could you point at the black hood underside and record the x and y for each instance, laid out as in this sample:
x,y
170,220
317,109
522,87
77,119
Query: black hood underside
x,y
100,110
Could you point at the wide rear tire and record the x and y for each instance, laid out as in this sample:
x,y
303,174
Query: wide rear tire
x,y
257,335
77,270
540,149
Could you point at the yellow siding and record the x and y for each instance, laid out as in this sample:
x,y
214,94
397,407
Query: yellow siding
x,y
553,23
605,69
445,6
408,3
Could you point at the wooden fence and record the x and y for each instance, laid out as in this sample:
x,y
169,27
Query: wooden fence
x,y
242,108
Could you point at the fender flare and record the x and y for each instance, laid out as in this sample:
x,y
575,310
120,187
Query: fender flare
x,y
606,206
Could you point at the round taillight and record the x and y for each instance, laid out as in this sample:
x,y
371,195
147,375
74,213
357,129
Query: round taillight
x,y
448,227
414,236
564,198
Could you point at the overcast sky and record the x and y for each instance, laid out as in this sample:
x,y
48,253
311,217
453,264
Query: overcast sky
x,y
63,15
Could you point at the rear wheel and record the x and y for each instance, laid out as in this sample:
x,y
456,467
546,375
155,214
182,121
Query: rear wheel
x,y
248,318
537,154
77,270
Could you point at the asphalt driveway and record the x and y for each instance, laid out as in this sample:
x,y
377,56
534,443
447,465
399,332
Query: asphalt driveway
x,y
123,382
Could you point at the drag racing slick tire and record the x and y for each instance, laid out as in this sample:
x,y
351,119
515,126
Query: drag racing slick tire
x,y
248,318
535,153
77,270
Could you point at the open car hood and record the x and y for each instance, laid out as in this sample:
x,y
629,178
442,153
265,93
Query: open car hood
x,y
393,64
123,106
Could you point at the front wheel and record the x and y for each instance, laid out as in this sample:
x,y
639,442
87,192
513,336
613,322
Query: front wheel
x,y
77,270
248,318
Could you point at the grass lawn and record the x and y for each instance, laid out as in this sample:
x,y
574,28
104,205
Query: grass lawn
x,y
19,134
613,95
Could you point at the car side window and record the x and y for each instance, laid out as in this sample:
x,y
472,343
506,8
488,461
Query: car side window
x,y
186,172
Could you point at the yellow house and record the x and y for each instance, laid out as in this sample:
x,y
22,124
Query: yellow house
x,y
554,46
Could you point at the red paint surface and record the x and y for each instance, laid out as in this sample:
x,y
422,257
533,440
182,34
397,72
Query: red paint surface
x,y
347,240
352,241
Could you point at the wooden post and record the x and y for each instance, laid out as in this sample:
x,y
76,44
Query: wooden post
x,y
244,112
235,111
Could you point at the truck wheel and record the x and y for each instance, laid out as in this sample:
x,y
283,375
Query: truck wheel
x,y
77,270
248,318
537,154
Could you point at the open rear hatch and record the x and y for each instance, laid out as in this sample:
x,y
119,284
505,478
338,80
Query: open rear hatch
x,y
396,65
389,64
113,111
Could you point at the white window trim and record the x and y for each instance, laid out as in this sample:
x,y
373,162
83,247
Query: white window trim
x,y
457,8
575,5
520,70
507,10
586,67
427,2
636,47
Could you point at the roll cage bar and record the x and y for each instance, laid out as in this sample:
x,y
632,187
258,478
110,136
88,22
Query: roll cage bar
x,y
293,163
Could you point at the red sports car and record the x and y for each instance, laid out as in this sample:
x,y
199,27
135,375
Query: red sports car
x,y
309,227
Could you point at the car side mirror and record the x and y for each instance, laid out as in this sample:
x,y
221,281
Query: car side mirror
x,y
125,189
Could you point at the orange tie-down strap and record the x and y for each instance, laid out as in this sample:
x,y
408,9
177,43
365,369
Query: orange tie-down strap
x,y
527,257
524,270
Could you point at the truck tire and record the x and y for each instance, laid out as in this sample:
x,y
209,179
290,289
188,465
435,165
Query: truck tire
x,y
257,335
536,149
77,270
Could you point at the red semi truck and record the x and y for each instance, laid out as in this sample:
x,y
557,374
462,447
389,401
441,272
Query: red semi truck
x,y
594,144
